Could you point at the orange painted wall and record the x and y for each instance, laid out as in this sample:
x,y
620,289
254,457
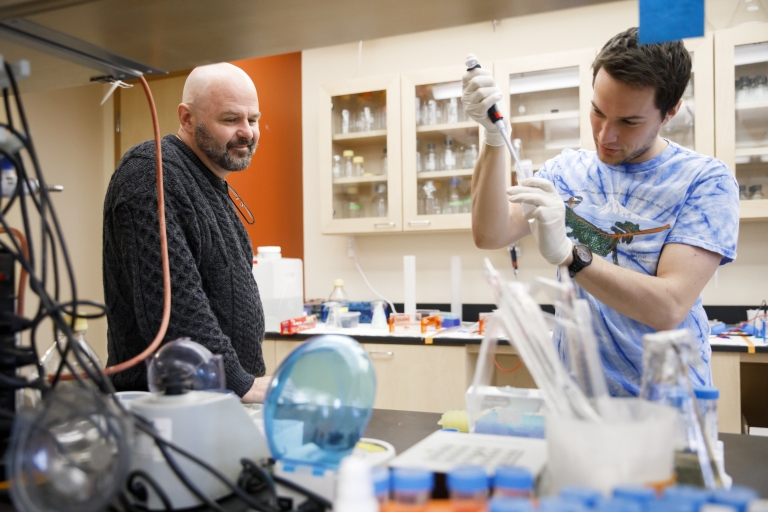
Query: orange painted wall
x,y
272,184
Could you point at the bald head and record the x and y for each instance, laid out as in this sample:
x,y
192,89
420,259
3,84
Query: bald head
x,y
219,117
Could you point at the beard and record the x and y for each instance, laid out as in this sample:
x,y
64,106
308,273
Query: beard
x,y
219,154
631,156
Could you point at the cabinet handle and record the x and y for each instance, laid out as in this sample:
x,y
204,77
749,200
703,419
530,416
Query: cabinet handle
x,y
379,352
384,225
419,222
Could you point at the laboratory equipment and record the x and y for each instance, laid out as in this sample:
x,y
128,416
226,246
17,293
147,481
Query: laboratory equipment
x,y
430,159
509,505
336,167
355,491
52,357
412,487
381,483
468,488
281,285
452,115
184,365
513,482
379,320
430,203
338,293
354,208
294,325
707,397
350,319
431,323
358,161
454,199
384,163
317,407
737,497
431,112
332,314
348,166
404,321
379,201
345,121
586,496
756,191
449,157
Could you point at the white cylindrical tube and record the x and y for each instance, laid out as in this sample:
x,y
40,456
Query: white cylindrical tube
x,y
409,281
456,286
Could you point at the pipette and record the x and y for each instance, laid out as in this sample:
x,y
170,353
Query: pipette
x,y
497,119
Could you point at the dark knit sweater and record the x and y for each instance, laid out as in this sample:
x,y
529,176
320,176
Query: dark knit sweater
x,y
214,299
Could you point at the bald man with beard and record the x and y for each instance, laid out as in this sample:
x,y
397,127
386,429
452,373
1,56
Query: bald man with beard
x,y
214,298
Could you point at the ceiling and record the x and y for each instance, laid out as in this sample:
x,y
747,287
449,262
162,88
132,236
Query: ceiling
x,y
181,34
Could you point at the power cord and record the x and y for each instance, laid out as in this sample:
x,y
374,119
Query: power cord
x,y
352,253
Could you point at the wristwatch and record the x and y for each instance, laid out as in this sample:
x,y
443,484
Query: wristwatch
x,y
582,258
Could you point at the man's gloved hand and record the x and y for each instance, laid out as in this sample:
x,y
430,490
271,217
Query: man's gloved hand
x,y
479,93
545,210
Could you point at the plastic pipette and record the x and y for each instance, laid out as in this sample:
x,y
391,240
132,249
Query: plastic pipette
x,y
498,120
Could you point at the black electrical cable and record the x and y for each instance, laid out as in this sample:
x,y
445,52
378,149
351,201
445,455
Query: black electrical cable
x,y
132,483
306,492
250,466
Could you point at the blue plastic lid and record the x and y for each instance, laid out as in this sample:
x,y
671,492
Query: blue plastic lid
x,y
510,505
635,493
737,497
468,479
6,164
689,493
557,504
707,393
587,496
407,479
455,181
449,321
618,505
513,477
449,430
381,480
319,402
674,506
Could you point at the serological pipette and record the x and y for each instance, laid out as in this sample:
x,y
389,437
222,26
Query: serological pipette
x,y
494,114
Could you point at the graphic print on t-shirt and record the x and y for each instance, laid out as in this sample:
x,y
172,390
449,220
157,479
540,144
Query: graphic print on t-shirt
x,y
603,228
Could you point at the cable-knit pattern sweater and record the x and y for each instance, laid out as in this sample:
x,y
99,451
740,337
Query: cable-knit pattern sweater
x,y
214,298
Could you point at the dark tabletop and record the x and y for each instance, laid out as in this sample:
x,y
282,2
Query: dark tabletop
x,y
746,457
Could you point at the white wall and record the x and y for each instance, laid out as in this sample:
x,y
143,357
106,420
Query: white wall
x,y
743,282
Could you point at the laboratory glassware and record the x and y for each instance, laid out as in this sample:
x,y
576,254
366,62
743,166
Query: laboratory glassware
x,y
449,157
430,159
468,488
429,200
336,169
348,166
384,163
454,198
359,163
470,157
379,201
354,209
338,293
452,111
512,482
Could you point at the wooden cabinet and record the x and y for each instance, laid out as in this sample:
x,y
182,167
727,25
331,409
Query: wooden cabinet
x,y
741,89
359,130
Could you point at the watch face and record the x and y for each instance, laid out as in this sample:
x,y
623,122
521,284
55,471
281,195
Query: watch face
x,y
584,254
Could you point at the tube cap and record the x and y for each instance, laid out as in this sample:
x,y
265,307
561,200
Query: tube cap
x,y
407,479
688,493
707,393
555,504
338,282
635,493
737,497
358,159
513,477
587,496
618,505
510,505
348,152
468,479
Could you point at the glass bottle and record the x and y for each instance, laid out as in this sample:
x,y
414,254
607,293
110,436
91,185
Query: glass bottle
x,y
419,167
354,209
470,157
384,163
454,199
336,169
347,166
359,169
379,201
339,294
417,105
52,357
453,111
756,191
430,159
431,112
449,157
429,200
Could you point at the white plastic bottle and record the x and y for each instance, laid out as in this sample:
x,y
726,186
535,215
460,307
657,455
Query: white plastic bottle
x,y
281,286
355,491
347,166
430,161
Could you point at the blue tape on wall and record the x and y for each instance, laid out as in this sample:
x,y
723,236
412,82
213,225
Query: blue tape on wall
x,y
670,20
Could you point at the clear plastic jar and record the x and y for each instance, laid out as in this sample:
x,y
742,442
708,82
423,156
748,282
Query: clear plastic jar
x,y
512,482
706,398
468,489
411,489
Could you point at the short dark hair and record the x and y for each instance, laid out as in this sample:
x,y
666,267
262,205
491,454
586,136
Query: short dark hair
x,y
664,66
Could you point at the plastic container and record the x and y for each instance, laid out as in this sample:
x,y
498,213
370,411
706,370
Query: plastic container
x,y
636,493
281,286
350,319
618,505
381,481
587,496
512,482
355,490
707,397
339,294
556,504
411,488
509,505
687,493
737,497
468,489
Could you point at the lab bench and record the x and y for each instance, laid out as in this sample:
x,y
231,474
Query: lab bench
x,y
431,372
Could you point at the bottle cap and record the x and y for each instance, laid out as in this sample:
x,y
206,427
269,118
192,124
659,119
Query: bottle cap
x,y
618,505
455,181
587,496
448,141
430,146
81,324
707,393
635,493
338,282
407,479
513,477
348,152
555,504
468,479
687,493
510,505
6,164
357,159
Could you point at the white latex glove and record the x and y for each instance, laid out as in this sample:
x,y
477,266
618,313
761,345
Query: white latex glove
x,y
545,210
479,92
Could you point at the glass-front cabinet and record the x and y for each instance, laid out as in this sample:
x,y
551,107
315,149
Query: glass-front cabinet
x,y
548,98
741,86
359,160
440,147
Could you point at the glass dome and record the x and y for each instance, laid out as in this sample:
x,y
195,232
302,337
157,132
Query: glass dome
x,y
182,365
319,402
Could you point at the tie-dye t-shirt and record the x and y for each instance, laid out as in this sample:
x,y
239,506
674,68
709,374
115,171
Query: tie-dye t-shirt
x,y
626,214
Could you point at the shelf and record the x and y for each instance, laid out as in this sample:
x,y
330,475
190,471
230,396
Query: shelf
x,y
552,116
752,151
753,209
748,105
446,127
361,138
444,174
360,179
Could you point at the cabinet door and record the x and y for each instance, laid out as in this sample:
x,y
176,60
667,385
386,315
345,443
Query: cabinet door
x,y
440,145
741,87
359,160
424,378
548,102
283,349
694,125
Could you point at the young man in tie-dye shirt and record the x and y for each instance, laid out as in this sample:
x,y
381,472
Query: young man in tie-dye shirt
x,y
641,223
